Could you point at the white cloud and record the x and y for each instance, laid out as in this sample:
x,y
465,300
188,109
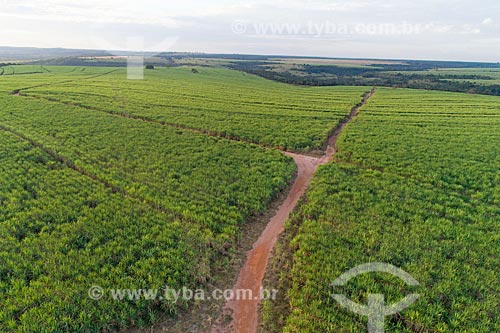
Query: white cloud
x,y
205,25
106,11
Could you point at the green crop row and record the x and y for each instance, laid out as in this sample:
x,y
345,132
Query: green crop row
x,y
89,197
61,233
416,184
448,140
46,76
253,109
157,206
212,181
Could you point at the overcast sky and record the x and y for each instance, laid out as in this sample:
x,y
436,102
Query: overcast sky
x,y
417,29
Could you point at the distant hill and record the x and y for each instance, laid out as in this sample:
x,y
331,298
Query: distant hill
x,y
32,53
8,53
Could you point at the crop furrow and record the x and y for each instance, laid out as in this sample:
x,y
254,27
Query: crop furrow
x,y
330,142
67,81
70,164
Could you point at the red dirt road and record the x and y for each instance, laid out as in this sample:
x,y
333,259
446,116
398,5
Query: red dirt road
x,y
244,313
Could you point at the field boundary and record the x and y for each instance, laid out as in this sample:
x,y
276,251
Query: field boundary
x,y
333,138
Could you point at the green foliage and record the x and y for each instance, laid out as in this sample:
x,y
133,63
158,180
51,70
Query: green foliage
x,y
61,233
474,78
143,205
416,185
252,109
207,180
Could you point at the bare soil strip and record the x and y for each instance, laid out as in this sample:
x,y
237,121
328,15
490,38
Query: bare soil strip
x,y
244,313
332,141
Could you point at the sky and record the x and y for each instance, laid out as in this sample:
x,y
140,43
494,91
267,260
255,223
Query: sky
x,y
389,29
